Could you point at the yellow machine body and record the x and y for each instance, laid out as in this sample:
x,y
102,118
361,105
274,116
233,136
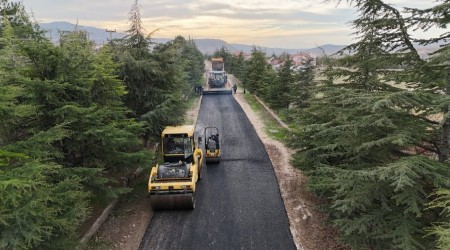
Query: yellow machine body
x,y
172,184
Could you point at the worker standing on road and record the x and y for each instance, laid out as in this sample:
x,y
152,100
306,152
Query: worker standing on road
x,y
234,88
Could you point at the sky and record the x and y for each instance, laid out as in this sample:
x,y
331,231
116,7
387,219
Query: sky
x,y
290,24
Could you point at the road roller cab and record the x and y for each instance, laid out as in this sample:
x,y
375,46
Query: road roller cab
x,y
172,184
212,145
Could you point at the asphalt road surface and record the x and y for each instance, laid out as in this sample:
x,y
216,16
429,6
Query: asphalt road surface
x,y
238,202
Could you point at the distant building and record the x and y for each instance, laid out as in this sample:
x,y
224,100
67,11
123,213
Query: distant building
x,y
276,63
300,59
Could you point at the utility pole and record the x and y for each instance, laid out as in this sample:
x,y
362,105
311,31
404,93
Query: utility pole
x,y
110,33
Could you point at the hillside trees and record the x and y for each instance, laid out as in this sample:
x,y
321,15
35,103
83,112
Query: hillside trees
x,y
358,138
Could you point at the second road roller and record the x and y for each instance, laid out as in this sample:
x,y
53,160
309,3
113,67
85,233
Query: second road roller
x,y
172,184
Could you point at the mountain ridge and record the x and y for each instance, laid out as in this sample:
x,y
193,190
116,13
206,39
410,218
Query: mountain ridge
x,y
205,45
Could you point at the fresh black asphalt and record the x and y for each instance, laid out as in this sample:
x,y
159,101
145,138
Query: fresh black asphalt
x,y
238,205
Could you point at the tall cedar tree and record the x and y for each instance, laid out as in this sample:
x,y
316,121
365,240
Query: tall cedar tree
x,y
190,57
17,17
301,89
63,123
154,80
237,66
255,71
268,87
41,204
280,89
358,138
436,75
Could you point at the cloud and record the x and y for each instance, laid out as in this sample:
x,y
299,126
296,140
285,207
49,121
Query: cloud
x,y
287,23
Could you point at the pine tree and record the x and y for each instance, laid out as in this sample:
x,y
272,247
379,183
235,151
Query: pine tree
x,y
255,71
18,19
301,89
154,79
40,202
435,76
357,138
267,86
239,65
280,89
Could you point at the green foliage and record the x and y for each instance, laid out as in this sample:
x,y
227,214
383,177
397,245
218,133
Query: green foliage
x,y
435,77
158,81
136,42
39,202
14,113
301,90
255,71
14,13
194,65
280,90
441,229
382,206
63,124
368,146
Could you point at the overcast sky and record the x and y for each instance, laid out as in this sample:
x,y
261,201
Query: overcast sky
x,y
271,23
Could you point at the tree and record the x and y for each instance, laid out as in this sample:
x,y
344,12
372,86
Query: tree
x,y
15,13
435,76
40,201
301,89
154,79
361,140
190,58
255,71
238,66
280,89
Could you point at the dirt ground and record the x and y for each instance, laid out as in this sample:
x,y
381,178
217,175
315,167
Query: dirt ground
x,y
126,226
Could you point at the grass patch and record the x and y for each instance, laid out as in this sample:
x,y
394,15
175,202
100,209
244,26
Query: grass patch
x,y
254,104
193,99
273,129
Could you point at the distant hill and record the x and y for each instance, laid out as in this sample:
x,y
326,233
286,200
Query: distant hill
x,y
206,46
99,36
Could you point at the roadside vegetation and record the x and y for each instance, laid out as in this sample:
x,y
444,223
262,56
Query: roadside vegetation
x,y
372,131
73,119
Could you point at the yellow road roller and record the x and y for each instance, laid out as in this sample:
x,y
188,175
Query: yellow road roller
x,y
212,145
172,184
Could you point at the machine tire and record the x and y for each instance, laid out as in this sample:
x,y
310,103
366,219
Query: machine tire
x,y
192,206
200,175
